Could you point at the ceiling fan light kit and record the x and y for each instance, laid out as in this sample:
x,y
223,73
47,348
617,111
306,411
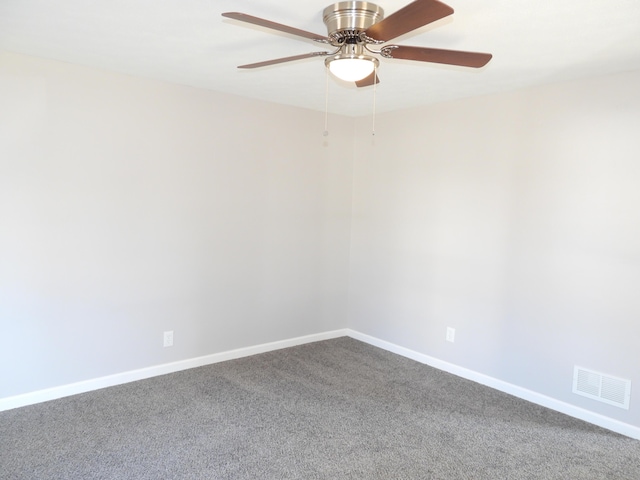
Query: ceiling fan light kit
x,y
351,64
354,27
351,69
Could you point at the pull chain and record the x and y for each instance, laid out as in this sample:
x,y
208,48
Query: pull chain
x,y
373,117
326,105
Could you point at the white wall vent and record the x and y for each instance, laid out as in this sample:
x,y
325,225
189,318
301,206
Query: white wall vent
x,y
601,387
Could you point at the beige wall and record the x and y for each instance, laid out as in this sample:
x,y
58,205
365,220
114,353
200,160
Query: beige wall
x,y
129,207
514,219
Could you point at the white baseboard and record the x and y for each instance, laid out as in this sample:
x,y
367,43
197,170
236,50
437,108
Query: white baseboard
x,y
529,395
31,398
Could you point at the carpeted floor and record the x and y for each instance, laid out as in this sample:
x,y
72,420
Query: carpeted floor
x,y
338,409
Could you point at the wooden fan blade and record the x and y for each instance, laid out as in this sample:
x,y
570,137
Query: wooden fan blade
x,y
243,17
284,59
414,15
436,55
368,81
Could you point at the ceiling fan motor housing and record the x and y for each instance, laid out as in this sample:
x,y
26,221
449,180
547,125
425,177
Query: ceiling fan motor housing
x,y
346,20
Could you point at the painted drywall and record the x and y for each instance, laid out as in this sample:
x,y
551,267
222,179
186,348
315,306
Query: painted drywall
x,y
514,219
129,207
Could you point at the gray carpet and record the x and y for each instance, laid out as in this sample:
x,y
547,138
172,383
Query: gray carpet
x,y
338,409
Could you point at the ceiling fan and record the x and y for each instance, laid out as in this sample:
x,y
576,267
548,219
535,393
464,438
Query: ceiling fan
x,y
354,27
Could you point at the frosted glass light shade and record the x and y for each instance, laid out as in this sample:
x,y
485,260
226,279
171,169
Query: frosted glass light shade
x,y
352,69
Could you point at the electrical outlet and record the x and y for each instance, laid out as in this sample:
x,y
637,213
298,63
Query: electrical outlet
x,y
451,334
168,339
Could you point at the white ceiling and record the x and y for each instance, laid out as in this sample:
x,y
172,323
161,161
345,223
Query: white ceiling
x,y
189,42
